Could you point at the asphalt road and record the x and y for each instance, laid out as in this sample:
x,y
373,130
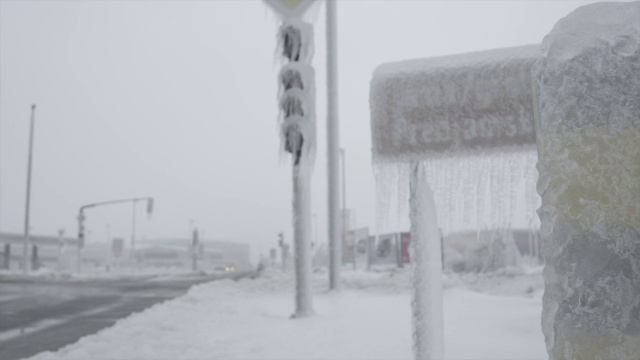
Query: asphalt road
x,y
38,316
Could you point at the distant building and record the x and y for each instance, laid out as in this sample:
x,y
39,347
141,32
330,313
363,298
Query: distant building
x,y
54,254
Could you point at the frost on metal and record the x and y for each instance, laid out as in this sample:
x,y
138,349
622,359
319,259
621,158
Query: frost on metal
x,y
588,89
460,104
296,98
296,92
295,40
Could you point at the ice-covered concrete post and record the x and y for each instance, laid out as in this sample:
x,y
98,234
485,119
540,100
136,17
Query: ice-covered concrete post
x,y
452,106
426,265
588,137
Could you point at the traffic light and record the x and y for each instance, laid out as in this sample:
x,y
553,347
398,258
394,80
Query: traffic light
x,y
296,89
81,229
149,206
195,238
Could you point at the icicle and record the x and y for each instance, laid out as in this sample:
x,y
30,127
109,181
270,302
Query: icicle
x,y
481,190
385,175
531,195
470,184
494,189
403,195
504,190
458,191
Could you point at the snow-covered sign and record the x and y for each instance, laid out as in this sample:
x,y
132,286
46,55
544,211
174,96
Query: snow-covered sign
x,y
290,8
451,105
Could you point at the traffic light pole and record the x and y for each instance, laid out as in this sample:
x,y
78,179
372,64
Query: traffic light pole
x,y
81,219
302,239
335,246
296,83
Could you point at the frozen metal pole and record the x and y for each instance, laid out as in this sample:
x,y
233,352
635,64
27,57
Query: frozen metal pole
x,y
344,208
302,239
426,266
133,236
60,246
335,248
109,251
81,219
195,245
25,253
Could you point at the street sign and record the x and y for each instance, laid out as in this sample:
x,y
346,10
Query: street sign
x,y
117,247
453,105
290,8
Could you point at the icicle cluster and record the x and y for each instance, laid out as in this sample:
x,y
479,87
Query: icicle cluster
x,y
492,190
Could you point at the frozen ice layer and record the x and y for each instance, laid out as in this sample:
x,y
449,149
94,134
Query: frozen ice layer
x,y
588,136
453,105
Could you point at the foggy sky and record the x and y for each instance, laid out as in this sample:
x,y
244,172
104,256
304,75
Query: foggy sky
x,y
177,100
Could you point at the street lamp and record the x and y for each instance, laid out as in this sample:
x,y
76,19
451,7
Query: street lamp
x,y
25,253
109,252
344,208
333,140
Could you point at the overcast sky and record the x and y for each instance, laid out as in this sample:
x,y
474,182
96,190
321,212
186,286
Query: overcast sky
x,y
177,100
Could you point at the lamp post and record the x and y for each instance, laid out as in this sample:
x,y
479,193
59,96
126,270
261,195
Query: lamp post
x,y
60,247
315,229
344,208
133,236
25,253
109,252
335,248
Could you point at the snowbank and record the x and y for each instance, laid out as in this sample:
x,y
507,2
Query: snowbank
x,y
369,319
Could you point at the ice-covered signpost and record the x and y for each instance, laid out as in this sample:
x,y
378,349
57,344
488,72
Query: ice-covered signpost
x,y
588,86
297,120
453,106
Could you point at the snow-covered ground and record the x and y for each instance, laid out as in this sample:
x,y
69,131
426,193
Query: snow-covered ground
x,y
493,316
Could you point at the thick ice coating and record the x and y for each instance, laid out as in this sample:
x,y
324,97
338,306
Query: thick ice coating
x,y
588,85
453,105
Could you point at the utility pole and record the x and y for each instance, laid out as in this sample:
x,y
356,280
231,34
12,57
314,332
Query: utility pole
x,y
133,236
194,250
60,247
344,209
335,248
25,253
109,252
283,250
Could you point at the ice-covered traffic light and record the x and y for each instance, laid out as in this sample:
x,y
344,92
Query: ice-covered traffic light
x,y
296,117
81,229
296,89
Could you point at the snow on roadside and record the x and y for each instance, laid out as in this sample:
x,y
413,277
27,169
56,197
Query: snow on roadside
x,y
368,319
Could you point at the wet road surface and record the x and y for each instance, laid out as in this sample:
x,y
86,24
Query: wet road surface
x,y
38,315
